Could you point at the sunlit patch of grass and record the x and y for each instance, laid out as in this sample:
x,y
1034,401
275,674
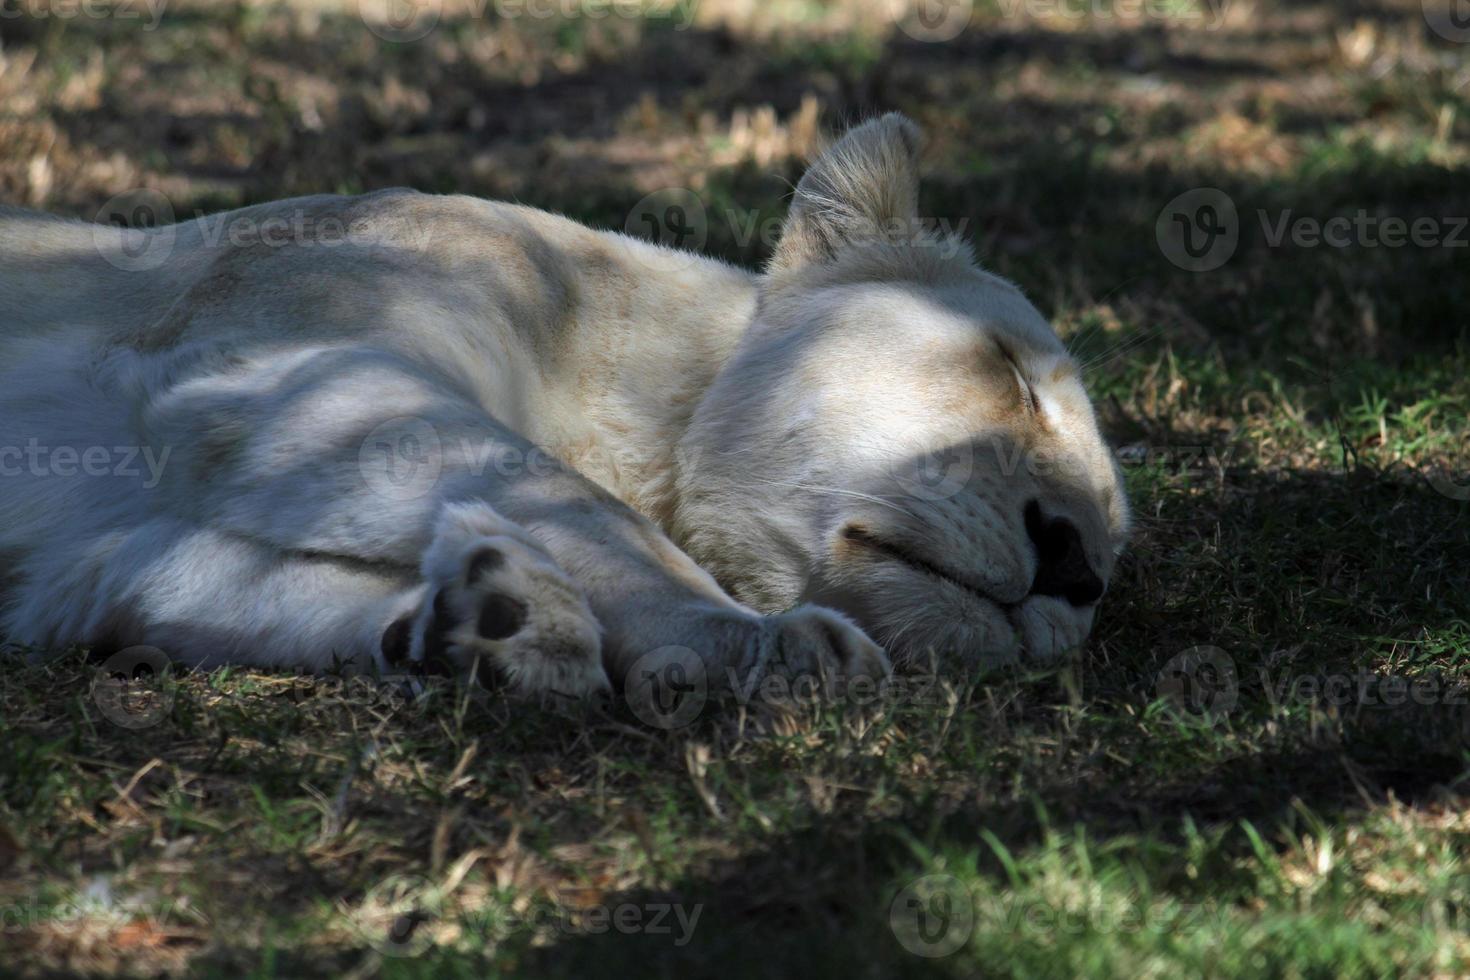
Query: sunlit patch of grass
x,y
1228,901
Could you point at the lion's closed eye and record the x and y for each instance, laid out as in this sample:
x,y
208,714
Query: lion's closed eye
x,y
1028,394
1029,399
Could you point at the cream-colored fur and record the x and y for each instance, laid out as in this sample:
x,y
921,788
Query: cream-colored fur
x,y
468,431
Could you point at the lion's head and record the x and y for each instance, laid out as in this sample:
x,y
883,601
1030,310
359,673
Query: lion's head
x,y
901,435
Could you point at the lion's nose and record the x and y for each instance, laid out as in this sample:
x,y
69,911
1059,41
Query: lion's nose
x,y
1062,569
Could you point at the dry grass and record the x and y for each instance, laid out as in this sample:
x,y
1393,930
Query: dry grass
x,y
1283,414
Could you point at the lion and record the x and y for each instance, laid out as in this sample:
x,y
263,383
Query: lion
x,y
469,437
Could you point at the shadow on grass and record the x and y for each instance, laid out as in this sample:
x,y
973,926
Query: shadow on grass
x,y
1293,575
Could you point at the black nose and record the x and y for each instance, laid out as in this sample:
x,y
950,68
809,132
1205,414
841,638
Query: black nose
x,y
1062,569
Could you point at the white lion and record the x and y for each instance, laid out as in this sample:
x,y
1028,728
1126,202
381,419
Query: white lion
x,y
453,432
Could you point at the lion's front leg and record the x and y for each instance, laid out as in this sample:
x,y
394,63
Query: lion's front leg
x,y
497,605
383,462
657,607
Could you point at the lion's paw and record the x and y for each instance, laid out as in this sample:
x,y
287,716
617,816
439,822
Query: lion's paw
x,y
822,642
498,608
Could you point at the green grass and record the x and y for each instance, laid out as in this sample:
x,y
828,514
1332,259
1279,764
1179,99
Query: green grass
x,y
1236,776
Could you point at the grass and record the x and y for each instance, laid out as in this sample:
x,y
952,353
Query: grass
x,y
1257,766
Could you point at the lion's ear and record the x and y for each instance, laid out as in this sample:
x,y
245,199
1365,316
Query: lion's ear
x,y
865,187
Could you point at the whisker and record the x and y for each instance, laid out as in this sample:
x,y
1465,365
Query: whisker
x,y
1121,348
839,492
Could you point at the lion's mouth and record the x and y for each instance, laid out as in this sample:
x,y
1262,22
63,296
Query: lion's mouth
x,y
861,536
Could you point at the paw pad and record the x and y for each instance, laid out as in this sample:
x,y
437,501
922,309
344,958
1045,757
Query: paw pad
x,y
396,639
483,562
501,616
